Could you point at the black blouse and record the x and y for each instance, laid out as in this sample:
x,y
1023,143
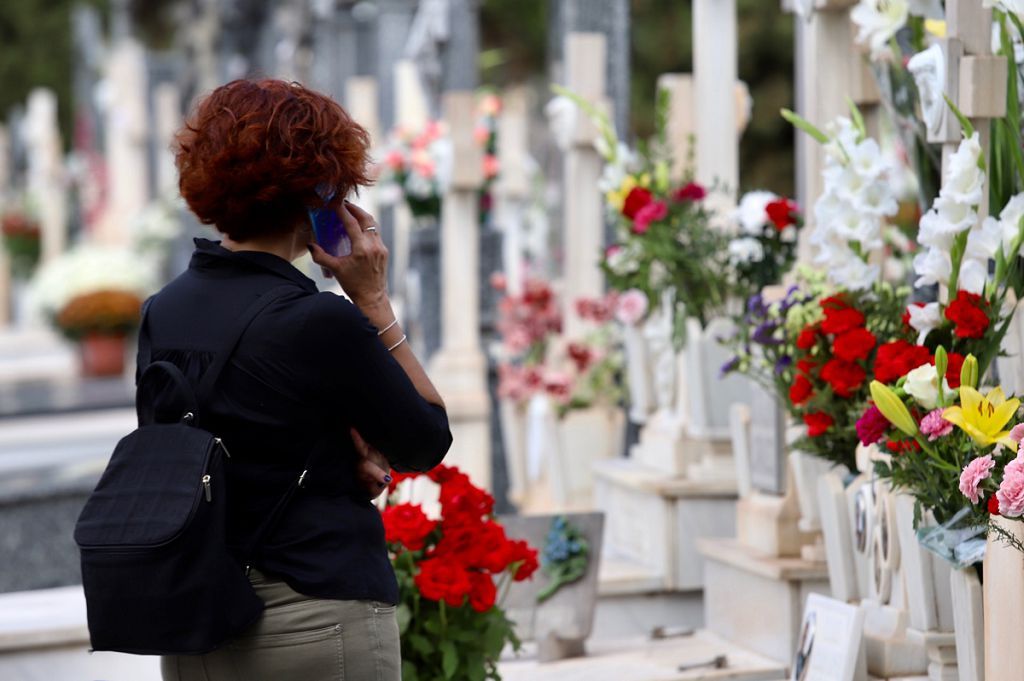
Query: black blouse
x,y
309,367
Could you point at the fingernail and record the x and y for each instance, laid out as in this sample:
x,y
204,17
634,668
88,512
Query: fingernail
x,y
387,479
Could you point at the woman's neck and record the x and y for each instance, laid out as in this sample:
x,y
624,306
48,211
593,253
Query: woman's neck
x,y
285,246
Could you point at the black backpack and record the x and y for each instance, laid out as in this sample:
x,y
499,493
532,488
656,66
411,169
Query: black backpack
x,y
157,573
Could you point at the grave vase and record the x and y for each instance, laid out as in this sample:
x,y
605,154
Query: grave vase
x,y
1003,588
638,373
102,354
968,623
584,437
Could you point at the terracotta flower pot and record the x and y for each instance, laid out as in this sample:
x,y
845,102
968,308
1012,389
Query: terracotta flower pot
x,y
102,354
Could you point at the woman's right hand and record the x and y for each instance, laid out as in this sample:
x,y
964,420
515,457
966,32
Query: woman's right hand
x,y
364,273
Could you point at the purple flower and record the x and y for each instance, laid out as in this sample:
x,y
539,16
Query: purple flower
x,y
871,426
730,366
765,333
783,363
756,306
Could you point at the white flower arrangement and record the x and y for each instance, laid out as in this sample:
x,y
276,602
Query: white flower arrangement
x,y
90,269
878,21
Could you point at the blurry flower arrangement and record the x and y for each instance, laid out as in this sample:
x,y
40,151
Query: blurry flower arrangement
x,y
537,360
764,246
22,239
94,290
417,163
450,614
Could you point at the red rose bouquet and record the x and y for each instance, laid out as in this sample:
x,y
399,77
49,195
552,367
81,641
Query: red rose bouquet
x,y
452,574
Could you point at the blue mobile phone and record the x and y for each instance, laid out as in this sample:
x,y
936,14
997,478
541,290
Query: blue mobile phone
x,y
329,231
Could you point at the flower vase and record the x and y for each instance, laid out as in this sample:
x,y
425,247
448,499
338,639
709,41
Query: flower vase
x,y
1003,588
585,436
102,354
638,373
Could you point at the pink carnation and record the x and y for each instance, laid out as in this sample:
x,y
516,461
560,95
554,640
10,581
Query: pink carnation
x,y
1017,432
974,473
652,212
1015,466
934,426
1011,493
631,307
871,426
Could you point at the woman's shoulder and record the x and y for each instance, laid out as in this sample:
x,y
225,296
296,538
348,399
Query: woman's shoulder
x,y
332,314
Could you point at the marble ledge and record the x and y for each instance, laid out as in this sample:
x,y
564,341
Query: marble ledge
x,y
789,569
43,618
630,474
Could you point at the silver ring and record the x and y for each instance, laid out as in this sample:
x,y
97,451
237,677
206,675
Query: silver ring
x,y
371,228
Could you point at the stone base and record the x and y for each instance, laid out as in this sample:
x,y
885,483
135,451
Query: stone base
x,y
941,647
653,523
757,601
890,651
665,446
768,524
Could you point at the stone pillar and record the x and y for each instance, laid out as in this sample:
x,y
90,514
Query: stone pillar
x,y
127,131
715,64
394,18
583,215
45,177
512,190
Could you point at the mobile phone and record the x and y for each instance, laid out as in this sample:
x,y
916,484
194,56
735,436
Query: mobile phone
x,y
330,232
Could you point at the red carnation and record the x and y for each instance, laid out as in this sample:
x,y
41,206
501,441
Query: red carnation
x,y
817,423
806,366
898,358
993,505
524,558
839,316
965,312
581,355
953,367
483,594
408,525
637,198
689,192
806,339
801,390
844,377
780,212
854,344
462,502
444,580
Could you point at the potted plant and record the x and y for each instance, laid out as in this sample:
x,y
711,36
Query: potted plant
x,y
93,296
453,572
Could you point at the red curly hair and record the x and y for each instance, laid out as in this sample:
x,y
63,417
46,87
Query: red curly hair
x,y
253,152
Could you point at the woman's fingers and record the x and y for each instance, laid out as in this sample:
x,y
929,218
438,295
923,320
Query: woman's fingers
x,y
351,224
364,219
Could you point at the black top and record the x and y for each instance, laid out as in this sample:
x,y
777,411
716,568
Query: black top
x,y
309,367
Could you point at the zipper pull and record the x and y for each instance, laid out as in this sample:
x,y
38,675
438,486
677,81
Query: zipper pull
x,y
220,443
206,487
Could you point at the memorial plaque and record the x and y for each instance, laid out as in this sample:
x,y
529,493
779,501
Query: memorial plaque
x,y
829,647
767,442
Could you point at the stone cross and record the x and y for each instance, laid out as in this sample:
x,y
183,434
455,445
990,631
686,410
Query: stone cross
x,y
45,182
460,367
583,215
714,63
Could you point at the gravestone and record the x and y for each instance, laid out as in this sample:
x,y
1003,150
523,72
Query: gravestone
x,y
561,624
45,177
767,442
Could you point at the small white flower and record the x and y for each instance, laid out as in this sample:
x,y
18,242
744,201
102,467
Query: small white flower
x,y
878,199
751,213
964,180
924,318
745,250
932,267
1010,221
878,21
923,385
788,235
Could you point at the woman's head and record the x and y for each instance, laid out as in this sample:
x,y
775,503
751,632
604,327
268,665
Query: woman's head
x,y
253,154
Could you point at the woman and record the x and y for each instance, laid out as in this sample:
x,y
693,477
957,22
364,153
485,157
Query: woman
x,y
313,371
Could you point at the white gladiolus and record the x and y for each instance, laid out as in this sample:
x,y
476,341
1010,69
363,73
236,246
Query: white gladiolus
x,y
1015,6
923,319
1010,221
947,218
866,159
933,266
973,275
984,242
878,21
855,274
964,179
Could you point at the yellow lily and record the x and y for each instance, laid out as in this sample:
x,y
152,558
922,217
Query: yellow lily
x,y
984,417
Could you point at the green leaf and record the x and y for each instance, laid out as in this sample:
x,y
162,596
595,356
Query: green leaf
x,y
801,123
858,119
432,626
420,644
404,616
449,659
409,671
475,669
965,124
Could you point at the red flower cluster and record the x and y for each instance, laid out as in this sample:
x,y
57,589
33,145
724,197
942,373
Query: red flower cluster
x,y
458,556
817,423
850,344
898,358
689,192
782,212
968,315
637,198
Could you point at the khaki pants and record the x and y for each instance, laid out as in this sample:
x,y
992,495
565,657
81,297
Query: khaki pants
x,y
301,639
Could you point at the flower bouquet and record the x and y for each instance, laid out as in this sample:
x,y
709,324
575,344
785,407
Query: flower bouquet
x,y
450,617
22,242
764,246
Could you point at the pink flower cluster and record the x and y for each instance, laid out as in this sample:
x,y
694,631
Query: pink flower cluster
x,y
529,319
1011,491
934,426
1008,500
598,310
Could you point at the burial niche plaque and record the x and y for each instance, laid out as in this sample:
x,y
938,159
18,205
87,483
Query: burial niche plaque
x,y
767,442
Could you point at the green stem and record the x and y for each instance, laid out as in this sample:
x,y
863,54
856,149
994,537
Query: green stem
x,y
444,618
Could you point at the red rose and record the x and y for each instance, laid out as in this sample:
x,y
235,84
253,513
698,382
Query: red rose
x,y
993,505
806,366
807,338
780,212
854,344
637,198
524,559
844,377
690,192
817,423
898,358
801,390
444,580
408,525
839,316
902,446
953,367
482,594
969,320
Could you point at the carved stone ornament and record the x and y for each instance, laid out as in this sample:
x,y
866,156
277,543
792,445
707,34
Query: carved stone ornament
x,y
929,71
